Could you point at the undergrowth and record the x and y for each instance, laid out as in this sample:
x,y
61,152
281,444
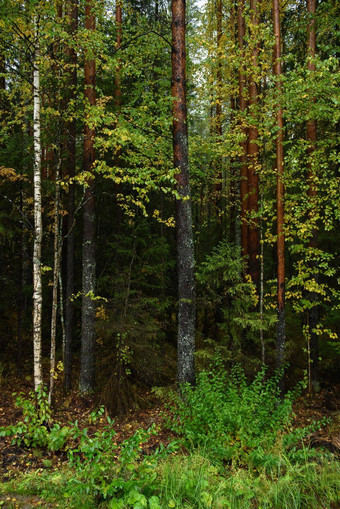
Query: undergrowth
x,y
241,452
237,422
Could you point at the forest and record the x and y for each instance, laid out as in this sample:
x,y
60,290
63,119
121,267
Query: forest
x,y
170,245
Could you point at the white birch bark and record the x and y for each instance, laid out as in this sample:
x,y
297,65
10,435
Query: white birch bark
x,y
56,271
37,283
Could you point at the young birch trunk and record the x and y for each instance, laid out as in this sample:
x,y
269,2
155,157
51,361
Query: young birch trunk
x,y
281,335
69,307
313,244
37,283
253,151
87,361
185,243
56,270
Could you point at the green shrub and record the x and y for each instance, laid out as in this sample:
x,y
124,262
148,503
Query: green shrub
x,y
36,428
108,470
231,419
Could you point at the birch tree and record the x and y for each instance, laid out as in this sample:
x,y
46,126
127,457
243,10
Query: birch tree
x,y
37,283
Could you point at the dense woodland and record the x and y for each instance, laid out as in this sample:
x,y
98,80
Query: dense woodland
x,y
169,208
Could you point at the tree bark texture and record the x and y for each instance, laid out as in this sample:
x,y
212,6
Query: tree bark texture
x,y
37,282
87,366
280,337
185,244
20,297
243,107
253,153
56,270
70,269
311,139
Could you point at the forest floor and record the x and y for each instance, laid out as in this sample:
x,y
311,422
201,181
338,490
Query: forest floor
x,y
66,409
16,460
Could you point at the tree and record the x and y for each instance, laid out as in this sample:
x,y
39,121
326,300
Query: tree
x,y
87,361
72,133
37,283
280,341
312,313
185,244
253,151
243,106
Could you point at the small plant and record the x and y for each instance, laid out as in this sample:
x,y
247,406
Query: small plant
x,y
36,428
231,419
115,472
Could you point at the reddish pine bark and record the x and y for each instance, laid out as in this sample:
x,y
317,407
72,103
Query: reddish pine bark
x,y
185,244
280,338
87,363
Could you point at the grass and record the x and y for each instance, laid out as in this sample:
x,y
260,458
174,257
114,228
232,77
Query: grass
x,y
236,449
193,482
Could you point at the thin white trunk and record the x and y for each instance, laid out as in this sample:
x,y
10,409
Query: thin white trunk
x,y
61,306
56,270
37,286
263,346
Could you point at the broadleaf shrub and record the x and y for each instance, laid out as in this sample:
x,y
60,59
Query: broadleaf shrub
x,y
36,428
231,419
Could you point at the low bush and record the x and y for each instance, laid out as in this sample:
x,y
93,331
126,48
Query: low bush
x,y
243,453
36,429
233,421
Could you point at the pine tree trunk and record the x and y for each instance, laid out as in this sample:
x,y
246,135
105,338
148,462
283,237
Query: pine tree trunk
x,y
313,244
253,152
185,244
69,307
37,282
243,107
87,361
281,335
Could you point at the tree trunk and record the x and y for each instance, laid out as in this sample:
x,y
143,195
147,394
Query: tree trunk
x,y
243,107
185,244
253,152
56,270
87,366
281,336
37,283
313,317
69,307
20,297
